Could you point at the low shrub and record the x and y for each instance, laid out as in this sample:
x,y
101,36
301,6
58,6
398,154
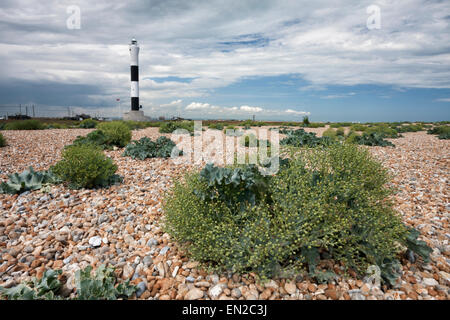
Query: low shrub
x,y
410,128
344,209
316,125
340,124
88,124
330,133
443,132
352,137
251,140
134,125
358,127
31,124
146,148
340,132
2,140
56,126
96,138
249,123
217,126
383,130
116,132
85,166
331,201
101,285
171,126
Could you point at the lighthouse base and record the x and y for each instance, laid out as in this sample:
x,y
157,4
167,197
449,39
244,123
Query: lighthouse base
x,y
135,116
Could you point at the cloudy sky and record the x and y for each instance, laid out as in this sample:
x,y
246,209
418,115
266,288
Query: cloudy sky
x,y
276,60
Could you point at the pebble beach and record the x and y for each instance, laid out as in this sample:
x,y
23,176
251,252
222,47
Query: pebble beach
x,y
122,226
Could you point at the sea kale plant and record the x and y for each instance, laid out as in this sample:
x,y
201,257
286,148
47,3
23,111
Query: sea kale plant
x,y
373,139
101,285
239,186
28,180
146,148
37,289
301,138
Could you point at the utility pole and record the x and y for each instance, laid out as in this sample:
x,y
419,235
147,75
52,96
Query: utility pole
x,y
20,109
33,111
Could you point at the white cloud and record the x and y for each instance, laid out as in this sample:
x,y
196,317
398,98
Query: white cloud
x,y
303,113
198,106
250,109
205,110
443,100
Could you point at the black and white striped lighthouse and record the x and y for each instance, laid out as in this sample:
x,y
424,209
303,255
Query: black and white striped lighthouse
x,y
135,113
134,54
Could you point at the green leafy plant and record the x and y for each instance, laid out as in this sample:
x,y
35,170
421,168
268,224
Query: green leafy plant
x,y
316,125
351,137
171,126
217,126
116,132
330,133
28,180
55,125
96,138
31,124
37,289
235,186
133,125
248,140
443,132
88,124
146,148
2,140
101,285
382,130
373,139
301,138
332,201
340,124
419,247
85,166
343,208
410,128
358,127
306,121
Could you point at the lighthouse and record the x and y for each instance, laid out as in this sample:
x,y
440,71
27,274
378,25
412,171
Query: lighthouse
x,y
135,114
134,68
